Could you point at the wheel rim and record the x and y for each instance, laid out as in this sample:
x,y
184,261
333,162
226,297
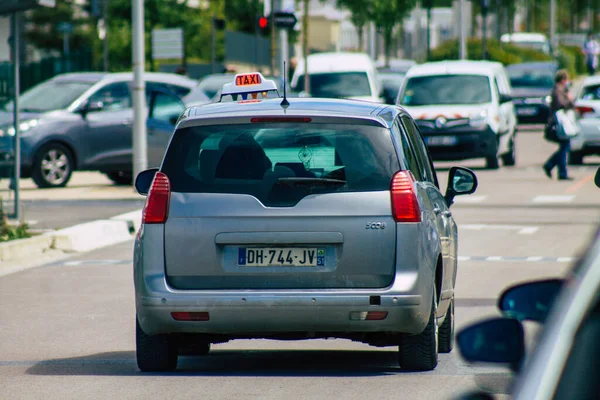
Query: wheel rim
x,y
55,166
436,326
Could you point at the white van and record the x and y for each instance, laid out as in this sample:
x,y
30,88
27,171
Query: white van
x,y
529,40
339,75
464,110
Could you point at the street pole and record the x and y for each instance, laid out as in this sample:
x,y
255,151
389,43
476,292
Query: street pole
x,y
16,54
484,29
65,44
463,30
283,43
428,33
273,38
213,45
105,41
305,46
552,22
140,157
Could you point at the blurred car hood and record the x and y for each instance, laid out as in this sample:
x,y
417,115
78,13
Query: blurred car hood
x,y
530,91
446,111
6,117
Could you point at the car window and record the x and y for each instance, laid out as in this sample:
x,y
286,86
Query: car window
x,y
165,108
446,89
281,163
531,77
337,84
408,152
421,151
51,95
112,97
590,92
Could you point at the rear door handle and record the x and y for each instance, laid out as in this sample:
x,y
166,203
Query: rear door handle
x,y
447,214
436,211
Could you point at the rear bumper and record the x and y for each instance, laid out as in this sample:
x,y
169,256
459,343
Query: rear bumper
x,y
269,312
532,113
469,143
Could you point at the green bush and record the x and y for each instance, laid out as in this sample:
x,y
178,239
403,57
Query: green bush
x,y
500,52
577,57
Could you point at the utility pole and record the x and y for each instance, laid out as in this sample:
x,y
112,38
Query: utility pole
x,y
213,45
305,46
16,55
484,8
552,22
463,30
140,157
273,38
428,4
105,40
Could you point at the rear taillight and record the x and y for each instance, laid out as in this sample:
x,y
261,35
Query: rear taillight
x,y
156,209
582,110
405,206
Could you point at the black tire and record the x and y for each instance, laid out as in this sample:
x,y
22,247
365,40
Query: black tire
x,y
575,158
491,162
510,159
446,331
120,178
155,353
420,352
53,166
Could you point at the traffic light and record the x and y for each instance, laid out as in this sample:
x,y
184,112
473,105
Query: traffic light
x,y
263,22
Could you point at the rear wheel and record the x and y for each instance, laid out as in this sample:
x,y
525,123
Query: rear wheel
x,y
575,158
491,162
420,352
446,333
120,177
155,353
52,166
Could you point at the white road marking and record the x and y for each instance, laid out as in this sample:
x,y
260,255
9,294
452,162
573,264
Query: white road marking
x,y
73,263
521,230
553,199
565,259
534,259
494,258
464,258
469,199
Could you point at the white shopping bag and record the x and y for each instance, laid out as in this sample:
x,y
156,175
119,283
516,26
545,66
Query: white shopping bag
x,y
568,127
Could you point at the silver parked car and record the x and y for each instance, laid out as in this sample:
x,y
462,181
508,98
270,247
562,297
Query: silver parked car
x,y
315,219
587,104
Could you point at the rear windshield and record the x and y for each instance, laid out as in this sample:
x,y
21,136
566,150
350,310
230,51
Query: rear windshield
x,y
446,89
281,163
538,77
337,84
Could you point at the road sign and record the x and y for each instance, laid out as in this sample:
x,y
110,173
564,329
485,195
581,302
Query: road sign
x,y
11,6
285,19
167,43
64,27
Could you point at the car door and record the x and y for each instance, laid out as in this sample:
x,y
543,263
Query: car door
x,y
164,109
109,122
444,222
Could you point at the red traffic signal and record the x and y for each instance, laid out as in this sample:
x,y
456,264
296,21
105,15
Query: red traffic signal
x,y
263,22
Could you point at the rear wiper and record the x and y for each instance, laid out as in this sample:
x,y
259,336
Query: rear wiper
x,y
311,181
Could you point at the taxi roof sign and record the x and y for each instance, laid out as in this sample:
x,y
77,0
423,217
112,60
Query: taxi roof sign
x,y
245,84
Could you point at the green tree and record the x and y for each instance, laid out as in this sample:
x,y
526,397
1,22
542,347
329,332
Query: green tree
x,y
387,14
360,11
43,23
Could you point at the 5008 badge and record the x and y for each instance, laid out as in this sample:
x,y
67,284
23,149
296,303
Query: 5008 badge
x,y
375,225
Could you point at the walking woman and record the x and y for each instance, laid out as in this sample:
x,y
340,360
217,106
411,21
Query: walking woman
x,y
561,100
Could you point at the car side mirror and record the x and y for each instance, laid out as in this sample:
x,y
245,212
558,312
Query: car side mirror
x,y
505,98
461,181
496,340
530,301
597,178
143,181
87,107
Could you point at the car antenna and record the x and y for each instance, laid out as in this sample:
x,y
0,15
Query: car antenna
x,y
284,103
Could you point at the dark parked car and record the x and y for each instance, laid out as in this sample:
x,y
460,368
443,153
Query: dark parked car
x,y
81,121
390,78
532,83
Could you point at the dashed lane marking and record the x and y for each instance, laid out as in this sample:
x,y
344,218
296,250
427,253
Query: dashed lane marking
x,y
521,230
549,199
469,199
517,259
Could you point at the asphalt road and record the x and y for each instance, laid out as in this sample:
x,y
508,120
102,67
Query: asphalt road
x,y
67,329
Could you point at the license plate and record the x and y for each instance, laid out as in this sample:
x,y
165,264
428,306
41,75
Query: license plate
x,y
281,257
441,140
527,111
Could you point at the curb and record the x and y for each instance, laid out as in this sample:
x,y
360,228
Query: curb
x,y
75,239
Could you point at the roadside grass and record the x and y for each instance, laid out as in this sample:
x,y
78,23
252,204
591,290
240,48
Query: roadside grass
x,y
10,231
